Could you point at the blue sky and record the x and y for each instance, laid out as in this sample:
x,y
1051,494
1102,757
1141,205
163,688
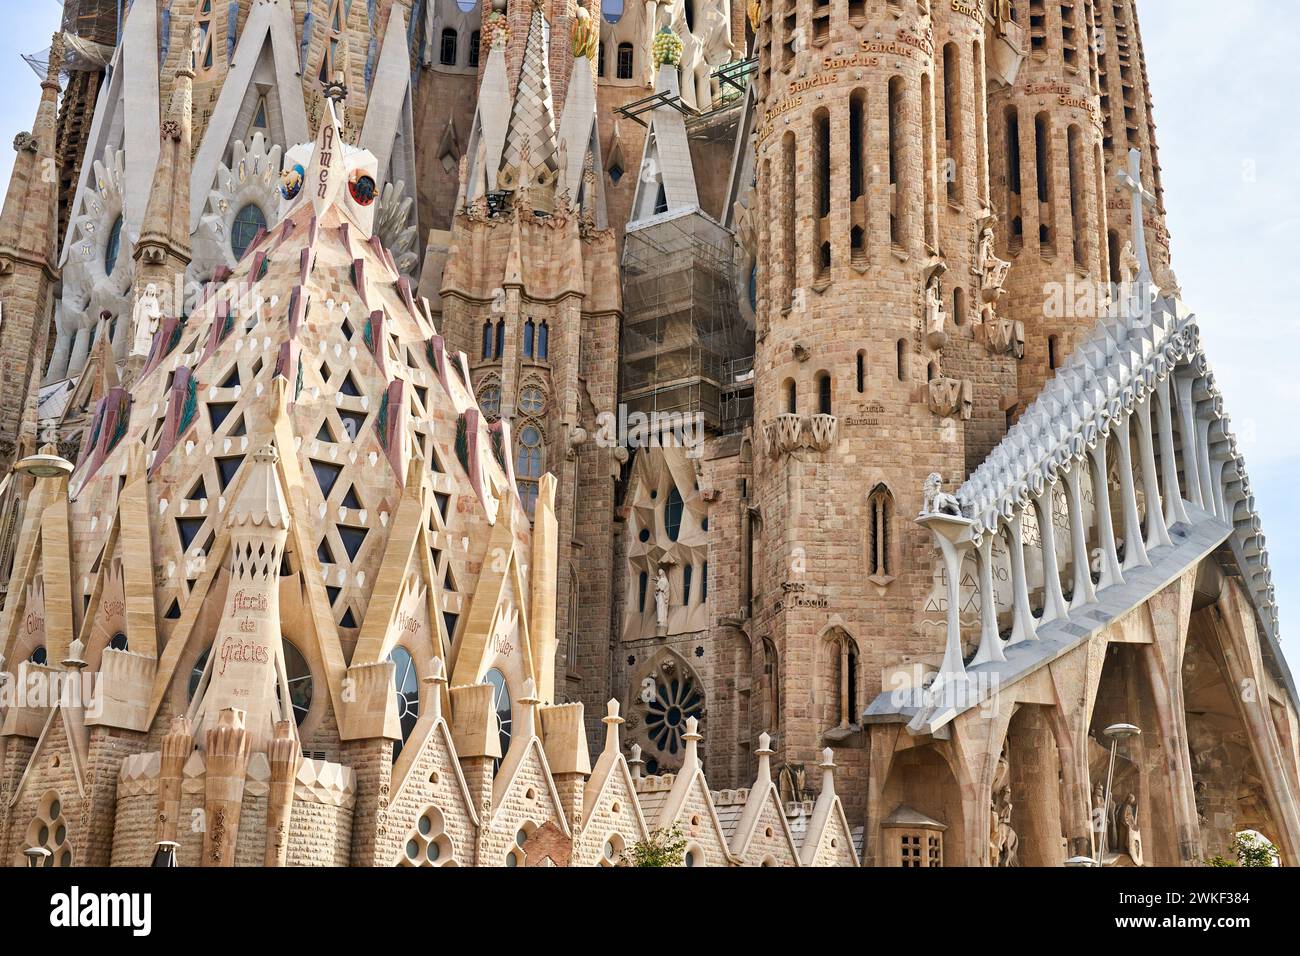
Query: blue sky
x,y
1223,80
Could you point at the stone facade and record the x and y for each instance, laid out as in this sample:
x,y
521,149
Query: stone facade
x,y
803,386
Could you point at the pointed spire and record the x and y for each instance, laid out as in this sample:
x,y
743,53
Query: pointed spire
x,y
163,249
691,761
635,764
612,721
828,774
529,155
764,753
27,225
437,680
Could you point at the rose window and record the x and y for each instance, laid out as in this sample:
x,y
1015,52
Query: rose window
x,y
676,699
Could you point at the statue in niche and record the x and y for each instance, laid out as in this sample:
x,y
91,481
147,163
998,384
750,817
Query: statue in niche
x,y
1003,841
937,501
147,312
1129,267
991,269
935,317
661,602
1130,837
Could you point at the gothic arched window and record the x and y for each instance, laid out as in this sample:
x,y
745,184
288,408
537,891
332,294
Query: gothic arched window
x,y
487,340
530,329
840,679
447,47
543,341
528,464
880,511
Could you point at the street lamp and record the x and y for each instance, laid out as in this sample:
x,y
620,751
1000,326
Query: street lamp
x,y
1116,733
46,464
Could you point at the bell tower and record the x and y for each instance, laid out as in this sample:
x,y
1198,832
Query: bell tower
x,y
872,185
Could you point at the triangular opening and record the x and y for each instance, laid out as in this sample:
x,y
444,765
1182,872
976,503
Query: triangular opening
x,y
333,594
326,475
173,611
350,500
217,412
448,582
226,469
349,387
198,492
347,620
324,552
450,620
352,538
353,422
188,529
231,380
238,430
324,434
443,501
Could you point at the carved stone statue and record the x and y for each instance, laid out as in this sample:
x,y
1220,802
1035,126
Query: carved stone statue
x,y
792,783
992,270
661,601
935,336
1129,266
1130,837
144,320
1003,841
937,501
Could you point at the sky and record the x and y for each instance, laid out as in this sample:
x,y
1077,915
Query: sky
x,y
1223,78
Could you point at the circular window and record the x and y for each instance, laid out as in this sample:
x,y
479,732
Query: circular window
x,y
38,656
433,852
118,642
425,825
692,857
501,705
532,400
676,699
248,222
412,849
489,401
644,536
113,247
407,684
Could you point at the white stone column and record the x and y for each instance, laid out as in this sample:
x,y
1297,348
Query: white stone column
x,y
1190,435
1082,589
1157,533
1135,552
1175,513
1023,627
1111,574
1054,607
990,649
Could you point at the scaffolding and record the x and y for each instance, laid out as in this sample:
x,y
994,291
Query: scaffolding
x,y
685,347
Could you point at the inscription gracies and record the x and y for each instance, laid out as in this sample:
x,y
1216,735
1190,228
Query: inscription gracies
x,y
326,159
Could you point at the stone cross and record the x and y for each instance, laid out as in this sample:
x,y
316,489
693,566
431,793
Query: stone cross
x,y
1131,179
